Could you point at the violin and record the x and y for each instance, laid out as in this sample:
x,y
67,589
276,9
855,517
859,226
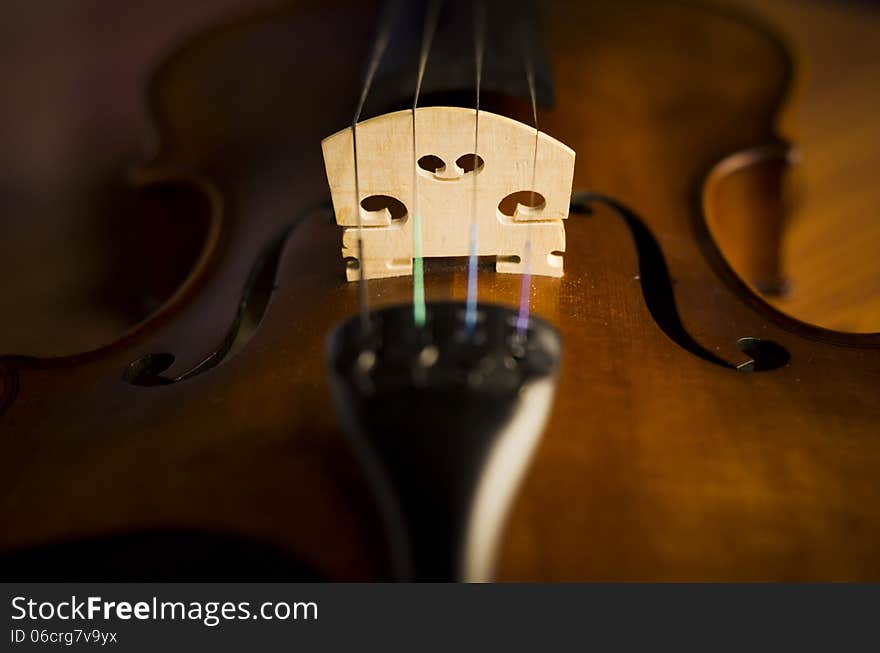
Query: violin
x,y
502,325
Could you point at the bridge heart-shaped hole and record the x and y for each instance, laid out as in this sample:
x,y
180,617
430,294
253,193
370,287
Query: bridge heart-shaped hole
x,y
431,163
470,163
435,167
524,202
376,205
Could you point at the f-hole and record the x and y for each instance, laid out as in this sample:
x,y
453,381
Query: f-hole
x,y
765,355
653,274
147,370
151,369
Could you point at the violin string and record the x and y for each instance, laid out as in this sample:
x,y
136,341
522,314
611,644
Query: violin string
x,y
473,259
431,17
379,46
522,321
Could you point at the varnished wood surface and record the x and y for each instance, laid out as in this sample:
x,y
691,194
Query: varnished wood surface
x,y
83,256
64,181
657,464
832,234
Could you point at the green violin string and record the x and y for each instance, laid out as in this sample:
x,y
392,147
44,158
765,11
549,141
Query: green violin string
x,y
419,313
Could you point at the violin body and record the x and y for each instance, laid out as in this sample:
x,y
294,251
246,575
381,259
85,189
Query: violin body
x,y
661,459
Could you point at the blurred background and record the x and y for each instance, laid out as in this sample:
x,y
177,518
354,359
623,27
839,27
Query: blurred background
x,y
77,267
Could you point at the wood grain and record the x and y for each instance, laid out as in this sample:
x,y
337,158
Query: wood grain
x,y
519,166
657,463
831,240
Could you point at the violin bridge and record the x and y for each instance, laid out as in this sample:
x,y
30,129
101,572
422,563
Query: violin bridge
x,y
519,185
